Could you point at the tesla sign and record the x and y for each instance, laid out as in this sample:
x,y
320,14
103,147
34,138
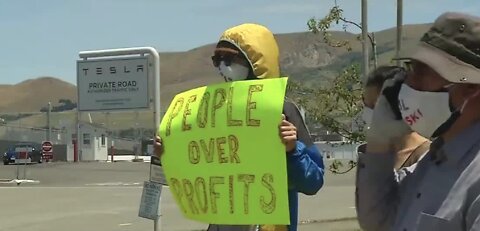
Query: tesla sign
x,y
112,84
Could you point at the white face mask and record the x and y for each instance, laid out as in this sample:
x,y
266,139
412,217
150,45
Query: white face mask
x,y
367,114
423,111
234,72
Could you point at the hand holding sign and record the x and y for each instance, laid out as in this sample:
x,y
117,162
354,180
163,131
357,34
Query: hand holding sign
x,y
158,146
288,134
223,159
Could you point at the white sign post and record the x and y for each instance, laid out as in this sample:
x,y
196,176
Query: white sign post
x,y
120,84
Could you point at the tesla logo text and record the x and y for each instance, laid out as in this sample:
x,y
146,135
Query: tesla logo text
x,y
113,70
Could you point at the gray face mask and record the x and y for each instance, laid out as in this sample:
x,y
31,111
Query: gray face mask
x,y
367,114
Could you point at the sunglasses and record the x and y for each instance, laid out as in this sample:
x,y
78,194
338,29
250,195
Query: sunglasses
x,y
408,65
226,58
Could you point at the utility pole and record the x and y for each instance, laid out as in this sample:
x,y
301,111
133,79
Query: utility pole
x,y
399,30
137,135
49,125
365,63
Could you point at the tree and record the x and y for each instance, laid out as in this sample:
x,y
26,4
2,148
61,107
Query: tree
x,y
335,16
65,105
335,106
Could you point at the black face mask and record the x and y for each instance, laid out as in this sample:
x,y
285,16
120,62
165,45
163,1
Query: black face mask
x,y
456,113
447,124
450,104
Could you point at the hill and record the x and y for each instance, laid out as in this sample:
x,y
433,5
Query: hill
x,y
32,95
304,56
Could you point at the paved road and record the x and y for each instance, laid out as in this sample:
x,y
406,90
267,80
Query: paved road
x,y
105,196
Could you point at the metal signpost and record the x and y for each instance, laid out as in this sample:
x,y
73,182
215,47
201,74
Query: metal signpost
x,y
123,86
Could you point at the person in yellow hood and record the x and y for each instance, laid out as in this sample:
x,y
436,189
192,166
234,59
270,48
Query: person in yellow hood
x,y
248,52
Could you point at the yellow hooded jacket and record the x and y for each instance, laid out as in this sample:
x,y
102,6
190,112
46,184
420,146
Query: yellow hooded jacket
x,y
257,43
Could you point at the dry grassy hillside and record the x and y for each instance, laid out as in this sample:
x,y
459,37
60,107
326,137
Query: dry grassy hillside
x,y
32,95
303,56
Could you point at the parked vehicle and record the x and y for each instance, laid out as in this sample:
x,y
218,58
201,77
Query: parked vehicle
x,y
35,155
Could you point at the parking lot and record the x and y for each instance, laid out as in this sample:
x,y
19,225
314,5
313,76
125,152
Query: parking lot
x,y
106,196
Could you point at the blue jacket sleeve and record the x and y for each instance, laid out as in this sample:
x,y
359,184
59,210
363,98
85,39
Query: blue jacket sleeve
x,y
305,169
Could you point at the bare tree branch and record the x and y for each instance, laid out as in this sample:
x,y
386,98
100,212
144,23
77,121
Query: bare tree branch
x,y
372,40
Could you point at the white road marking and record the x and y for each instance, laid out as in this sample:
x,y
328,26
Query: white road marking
x,y
108,185
114,184
68,187
125,224
24,181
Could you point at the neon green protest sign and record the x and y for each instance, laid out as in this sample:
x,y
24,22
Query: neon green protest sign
x,y
223,157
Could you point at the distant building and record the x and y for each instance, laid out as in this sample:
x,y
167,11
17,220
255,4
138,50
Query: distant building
x,y
321,134
93,142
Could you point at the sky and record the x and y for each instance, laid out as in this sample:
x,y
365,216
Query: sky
x,y
43,37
